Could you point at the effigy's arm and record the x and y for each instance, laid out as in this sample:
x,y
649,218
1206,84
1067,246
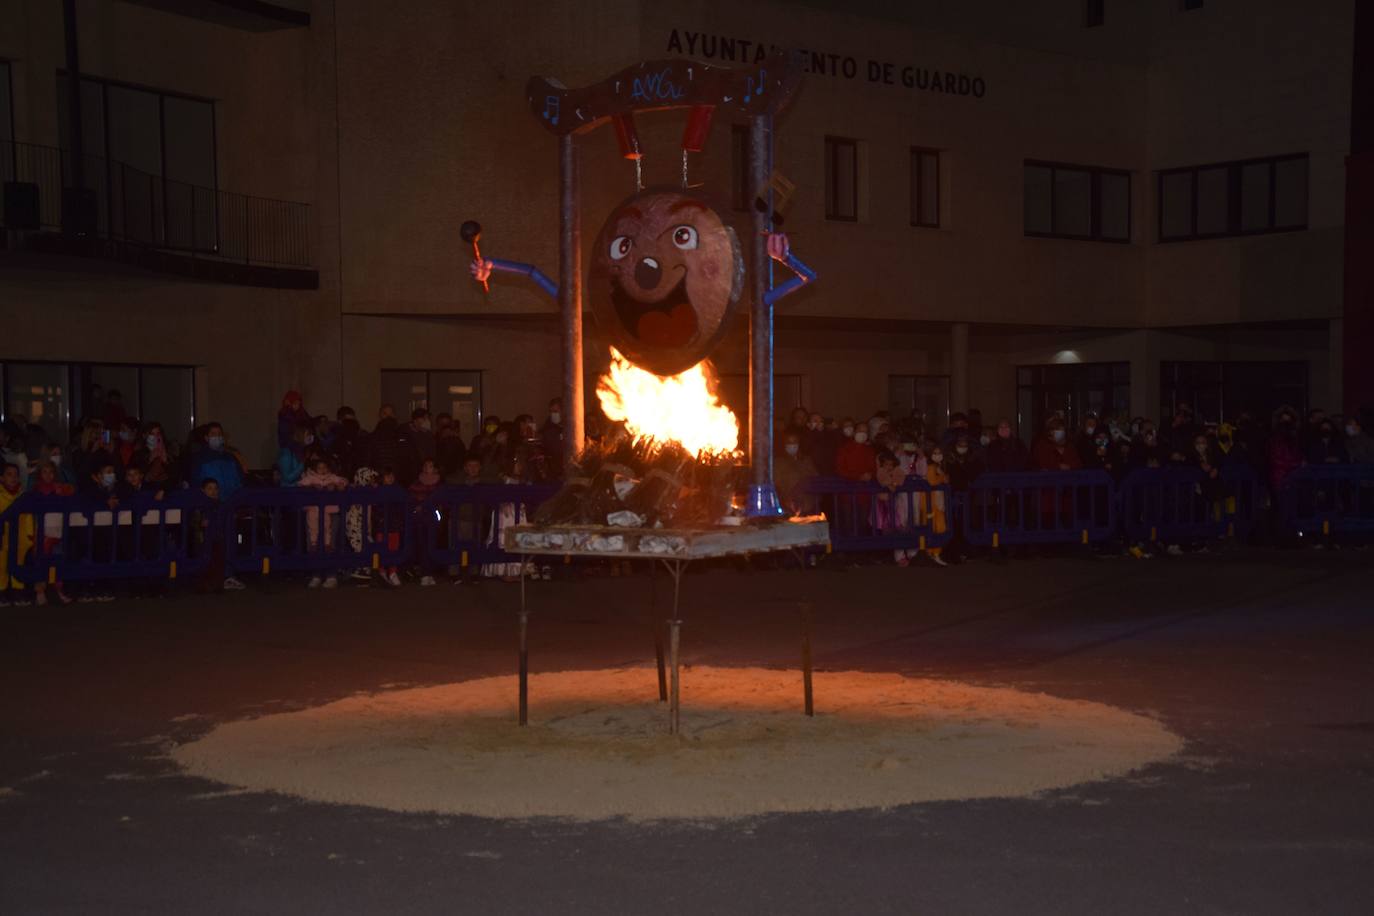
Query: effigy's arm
x,y
482,268
779,250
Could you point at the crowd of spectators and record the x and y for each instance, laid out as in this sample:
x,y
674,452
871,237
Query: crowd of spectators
x,y
115,456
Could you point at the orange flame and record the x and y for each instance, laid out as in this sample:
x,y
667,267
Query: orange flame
x,y
681,408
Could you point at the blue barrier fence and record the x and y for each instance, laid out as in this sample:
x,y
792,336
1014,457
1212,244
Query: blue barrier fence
x,y
70,538
461,526
67,538
1329,499
865,516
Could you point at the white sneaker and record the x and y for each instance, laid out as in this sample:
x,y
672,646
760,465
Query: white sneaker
x,y
233,585
393,579
938,560
426,580
331,582
1174,550
314,582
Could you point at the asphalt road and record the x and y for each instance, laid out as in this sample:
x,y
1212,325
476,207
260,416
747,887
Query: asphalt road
x,y
1263,661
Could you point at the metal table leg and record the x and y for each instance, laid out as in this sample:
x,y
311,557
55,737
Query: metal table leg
x,y
524,655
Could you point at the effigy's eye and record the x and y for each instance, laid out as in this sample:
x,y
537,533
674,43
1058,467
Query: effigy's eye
x,y
620,247
685,237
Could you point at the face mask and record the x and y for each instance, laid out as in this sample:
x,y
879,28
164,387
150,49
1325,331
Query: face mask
x,y
1058,435
814,426
1003,433
984,439
555,418
107,480
490,430
152,441
860,437
126,435
1090,427
848,431
1201,447
937,458
215,442
1352,430
309,439
56,458
961,449
792,448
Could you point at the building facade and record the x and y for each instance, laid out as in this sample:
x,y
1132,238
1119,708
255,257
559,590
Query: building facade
x,y
1024,207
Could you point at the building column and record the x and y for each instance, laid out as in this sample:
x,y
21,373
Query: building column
x,y
958,366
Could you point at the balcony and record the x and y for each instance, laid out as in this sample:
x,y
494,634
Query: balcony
x,y
112,210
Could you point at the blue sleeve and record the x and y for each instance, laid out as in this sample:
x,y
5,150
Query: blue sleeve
x,y
804,275
528,270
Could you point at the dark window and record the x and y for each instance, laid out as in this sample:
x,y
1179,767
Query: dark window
x,y
841,179
1094,13
925,187
6,123
1191,5
1233,198
1077,202
58,396
741,192
1221,391
1070,388
456,392
926,396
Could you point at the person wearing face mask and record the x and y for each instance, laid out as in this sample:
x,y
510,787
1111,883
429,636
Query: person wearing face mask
x,y
1285,455
821,445
1054,452
62,469
551,439
11,488
152,458
962,464
958,426
1086,441
126,442
1006,453
1359,447
1146,450
485,440
934,509
856,459
350,442
291,460
215,460
1326,447
421,437
791,470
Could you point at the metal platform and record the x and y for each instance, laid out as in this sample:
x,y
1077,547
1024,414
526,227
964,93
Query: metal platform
x,y
668,543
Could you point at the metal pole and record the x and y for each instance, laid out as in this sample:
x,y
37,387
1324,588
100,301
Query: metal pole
x,y
570,296
806,659
658,632
763,498
75,135
524,652
674,630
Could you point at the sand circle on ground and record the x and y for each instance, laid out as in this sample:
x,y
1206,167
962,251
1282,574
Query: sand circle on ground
x,y
597,745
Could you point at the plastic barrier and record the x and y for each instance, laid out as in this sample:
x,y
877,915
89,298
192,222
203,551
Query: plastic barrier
x,y
1244,502
1172,504
1040,507
866,516
1329,499
296,528
71,538
462,525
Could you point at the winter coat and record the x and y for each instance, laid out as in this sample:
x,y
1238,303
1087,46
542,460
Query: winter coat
x,y
856,460
391,447
1284,458
220,466
1048,456
291,465
1007,455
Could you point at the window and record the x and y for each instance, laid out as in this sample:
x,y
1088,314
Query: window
x,y
1094,13
741,181
926,396
58,396
1070,388
925,187
1233,198
1221,391
6,123
457,392
841,179
1077,202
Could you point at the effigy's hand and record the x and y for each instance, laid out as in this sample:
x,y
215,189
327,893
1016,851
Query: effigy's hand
x,y
480,270
778,246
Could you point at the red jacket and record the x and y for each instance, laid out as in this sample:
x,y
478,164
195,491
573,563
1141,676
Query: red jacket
x,y
1047,456
855,460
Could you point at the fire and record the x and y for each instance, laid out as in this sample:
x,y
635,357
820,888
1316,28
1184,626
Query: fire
x,y
681,408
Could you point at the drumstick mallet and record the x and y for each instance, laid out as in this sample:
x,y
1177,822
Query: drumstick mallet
x,y
471,231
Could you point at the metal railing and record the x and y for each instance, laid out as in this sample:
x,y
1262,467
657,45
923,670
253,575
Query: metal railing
x,y
44,190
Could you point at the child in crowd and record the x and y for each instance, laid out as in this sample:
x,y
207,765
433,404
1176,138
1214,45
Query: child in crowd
x,y
46,483
936,477
11,487
381,532
426,482
321,477
513,472
358,523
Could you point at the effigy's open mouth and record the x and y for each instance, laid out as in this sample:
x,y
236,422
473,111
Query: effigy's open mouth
x,y
670,322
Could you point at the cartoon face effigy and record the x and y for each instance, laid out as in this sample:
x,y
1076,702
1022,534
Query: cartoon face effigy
x,y
666,275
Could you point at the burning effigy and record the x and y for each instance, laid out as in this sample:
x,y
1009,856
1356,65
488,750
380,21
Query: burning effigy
x,y
668,271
